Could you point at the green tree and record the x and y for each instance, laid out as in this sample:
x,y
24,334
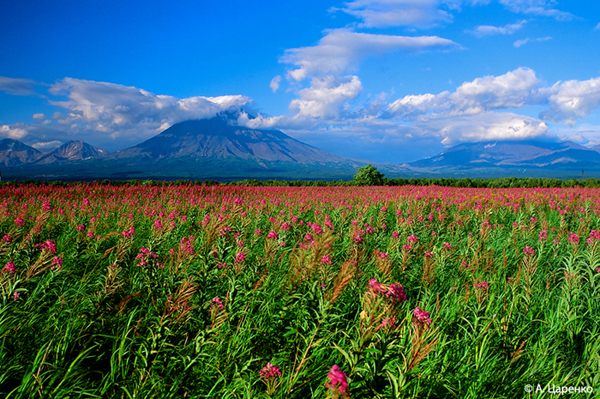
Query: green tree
x,y
368,176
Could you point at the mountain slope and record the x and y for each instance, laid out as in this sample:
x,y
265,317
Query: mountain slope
x,y
71,151
15,153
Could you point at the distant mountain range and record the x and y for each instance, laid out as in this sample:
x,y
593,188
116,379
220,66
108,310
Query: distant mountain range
x,y
513,158
215,149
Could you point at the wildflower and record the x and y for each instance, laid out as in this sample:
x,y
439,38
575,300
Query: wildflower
x,y
428,254
447,246
216,301
272,234
308,237
157,225
543,236
221,265
573,238
387,322
269,371
396,293
129,233
406,247
326,260
358,238
257,232
395,234
412,238
90,234
9,268
337,379
383,209
528,250
482,285
16,296
382,255
422,316
57,263
598,269
376,287
47,246
485,224
285,226
7,238
80,227
595,235
240,257
464,263
19,221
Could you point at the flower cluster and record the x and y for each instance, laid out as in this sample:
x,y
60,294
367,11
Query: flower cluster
x,y
9,268
47,246
481,285
216,303
337,380
144,256
528,250
269,372
129,233
421,317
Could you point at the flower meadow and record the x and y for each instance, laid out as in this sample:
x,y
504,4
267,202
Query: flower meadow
x,y
195,291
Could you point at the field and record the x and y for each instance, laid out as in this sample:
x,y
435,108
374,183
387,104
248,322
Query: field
x,y
191,291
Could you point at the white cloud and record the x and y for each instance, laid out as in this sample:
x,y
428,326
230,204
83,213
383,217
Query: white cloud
x,y
275,83
14,132
38,116
486,30
573,99
514,89
537,7
597,26
341,50
46,146
483,127
522,42
325,96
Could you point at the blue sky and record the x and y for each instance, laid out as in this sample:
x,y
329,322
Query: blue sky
x,y
383,80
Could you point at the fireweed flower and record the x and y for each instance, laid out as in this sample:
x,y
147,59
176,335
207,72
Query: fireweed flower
x,y
7,238
421,317
573,238
326,260
396,293
482,285
388,322
447,246
337,380
358,238
48,246
257,232
19,221
9,268
406,247
57,263
543,236
80,227
412,238
272,235
528,250
16,296
216,303
240,257
376,287
269,372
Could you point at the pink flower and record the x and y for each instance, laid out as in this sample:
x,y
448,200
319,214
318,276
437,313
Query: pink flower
x,y
412,238
528,250
269,371
7,238
129,233
422,316
482,285
573,238
158,224
395,234
375,286
57,263
387,322
428,254
80,227
396,292
406,247
337,379
47,246
543,236
16,296
216,301
257,232
272,234
9,268
358,238
240,257
19,221
447,246
308,237
326,260
464,263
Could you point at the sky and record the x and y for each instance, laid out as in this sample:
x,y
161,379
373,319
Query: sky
x,y
379,80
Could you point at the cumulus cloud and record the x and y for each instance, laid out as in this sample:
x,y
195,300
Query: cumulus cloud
x,y
38,117
514,89
275,83
341,50
522,42
325,96
537,7
12,132
487,30
572,99
483,127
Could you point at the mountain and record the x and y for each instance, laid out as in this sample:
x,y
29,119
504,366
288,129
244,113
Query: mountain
x,y
15,153
71,151
208,149
513,158
217,139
